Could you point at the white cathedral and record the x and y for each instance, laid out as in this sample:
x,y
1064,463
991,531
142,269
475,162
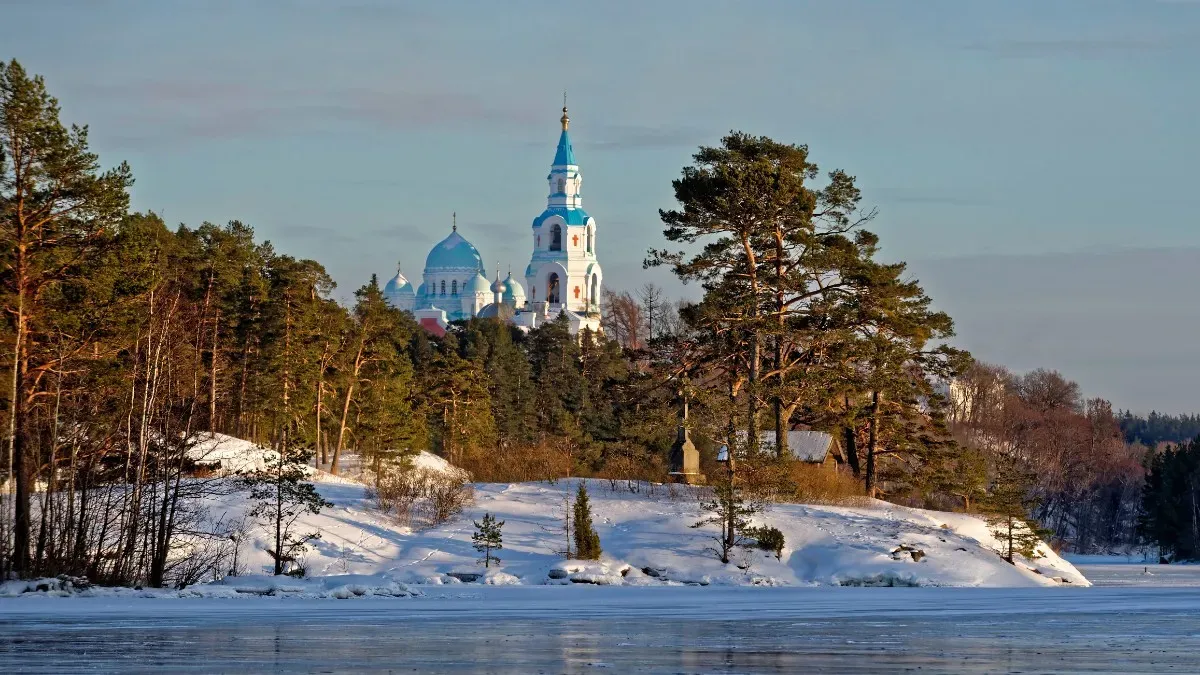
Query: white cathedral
x,y
563,275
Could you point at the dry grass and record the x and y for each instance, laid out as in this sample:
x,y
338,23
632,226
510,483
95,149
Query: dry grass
x,y
823,485
420,497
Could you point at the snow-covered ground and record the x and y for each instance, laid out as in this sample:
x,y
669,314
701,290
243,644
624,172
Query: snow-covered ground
x,y
646,534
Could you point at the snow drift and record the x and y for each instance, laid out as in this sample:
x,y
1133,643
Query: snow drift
x,y
646,534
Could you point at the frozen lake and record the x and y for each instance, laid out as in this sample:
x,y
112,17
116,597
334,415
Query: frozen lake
x,y
1108,628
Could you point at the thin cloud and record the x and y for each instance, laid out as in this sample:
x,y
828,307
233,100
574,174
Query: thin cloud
x,y
155,113
319,234
1081,46
892,195
623,137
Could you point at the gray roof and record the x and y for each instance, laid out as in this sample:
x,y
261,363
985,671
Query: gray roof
x,y
503,311
807,446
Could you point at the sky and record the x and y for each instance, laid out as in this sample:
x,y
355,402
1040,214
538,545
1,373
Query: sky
x,y
1032,160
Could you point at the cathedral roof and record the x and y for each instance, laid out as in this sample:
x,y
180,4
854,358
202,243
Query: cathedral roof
x,y
565,154
478,284
501,311
454,252
512,290
398,285
569,216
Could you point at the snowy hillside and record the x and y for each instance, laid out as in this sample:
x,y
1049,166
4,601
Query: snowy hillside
x,y
825,545
647,537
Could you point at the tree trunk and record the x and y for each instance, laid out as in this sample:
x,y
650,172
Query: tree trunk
x,y
21,468
781,423
872,440
850,436
320,401
337,451
279,514
212,377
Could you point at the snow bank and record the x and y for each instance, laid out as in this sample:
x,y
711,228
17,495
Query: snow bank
x,y
648,539
427,461
338,586
227,455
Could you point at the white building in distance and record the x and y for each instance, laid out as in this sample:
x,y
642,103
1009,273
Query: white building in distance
x,y
563,276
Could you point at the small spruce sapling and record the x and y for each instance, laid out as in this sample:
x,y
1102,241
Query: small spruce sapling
x,y
487,538
587,542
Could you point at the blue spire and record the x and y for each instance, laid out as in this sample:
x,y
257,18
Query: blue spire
x,y
565,153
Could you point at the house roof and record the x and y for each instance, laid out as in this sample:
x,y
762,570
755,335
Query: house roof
x,y
806,446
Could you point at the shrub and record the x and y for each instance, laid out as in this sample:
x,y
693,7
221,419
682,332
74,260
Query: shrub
x,y
421,496
767,539
813,484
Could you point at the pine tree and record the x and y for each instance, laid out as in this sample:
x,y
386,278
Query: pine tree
x,y
282,495
729,510
587,542
376,376
460,410
1007,508
488,538
57,210
1170,508
893,367
500,348
774,249
554,357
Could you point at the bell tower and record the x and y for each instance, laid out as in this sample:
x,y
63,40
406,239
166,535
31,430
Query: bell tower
x,y
564,272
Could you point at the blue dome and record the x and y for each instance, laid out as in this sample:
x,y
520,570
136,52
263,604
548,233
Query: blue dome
x,y
397,286
454,252
512,290
479,284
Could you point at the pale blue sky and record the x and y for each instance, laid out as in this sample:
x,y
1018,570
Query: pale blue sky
x,y
348,131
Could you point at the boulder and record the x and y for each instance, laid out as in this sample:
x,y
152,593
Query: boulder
x,y
466,577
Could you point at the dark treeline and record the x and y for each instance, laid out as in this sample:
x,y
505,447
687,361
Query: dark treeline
x,y
1157,428
1171,502
127,340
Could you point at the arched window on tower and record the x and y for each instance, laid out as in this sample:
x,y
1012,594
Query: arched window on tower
x,y
555,237
443,286
595,292
562,185
454,287
591,240
552,288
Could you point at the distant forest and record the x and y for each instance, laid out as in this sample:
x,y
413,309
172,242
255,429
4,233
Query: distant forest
x,y
1156,428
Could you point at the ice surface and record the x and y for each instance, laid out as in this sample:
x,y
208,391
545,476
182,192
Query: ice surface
x,y
583,628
